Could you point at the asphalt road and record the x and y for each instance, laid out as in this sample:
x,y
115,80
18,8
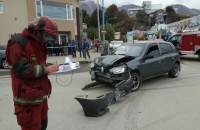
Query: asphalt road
x,y
161,103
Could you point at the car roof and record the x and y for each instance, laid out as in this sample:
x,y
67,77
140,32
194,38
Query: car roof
x,y
3,47
116,41
147,41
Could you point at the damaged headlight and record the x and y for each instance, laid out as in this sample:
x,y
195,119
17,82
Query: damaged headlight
x,y
118,70
92,65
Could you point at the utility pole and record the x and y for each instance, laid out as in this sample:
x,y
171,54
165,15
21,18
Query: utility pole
x,y
103,19
99,38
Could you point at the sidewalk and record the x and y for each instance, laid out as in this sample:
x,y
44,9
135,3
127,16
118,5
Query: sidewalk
x,y
60,59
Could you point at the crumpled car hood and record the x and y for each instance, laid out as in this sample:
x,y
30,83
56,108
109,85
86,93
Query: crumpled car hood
x,y
108,60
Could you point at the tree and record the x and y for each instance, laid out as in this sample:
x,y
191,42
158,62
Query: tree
x,y
93,21
170,9
124,22
140,15
172,15
141,19
121,15
111,12
85,16
92,33
110,32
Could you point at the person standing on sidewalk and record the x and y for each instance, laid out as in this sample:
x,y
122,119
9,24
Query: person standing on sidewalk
x,y
69,47
62,48
97,45
80,47
49,45
73,48
86,49
56,47
26,53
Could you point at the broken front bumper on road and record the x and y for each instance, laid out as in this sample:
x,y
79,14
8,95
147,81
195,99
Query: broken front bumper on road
x,y
98,106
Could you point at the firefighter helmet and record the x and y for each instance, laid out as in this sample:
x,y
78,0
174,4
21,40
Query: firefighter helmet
x,y
45,23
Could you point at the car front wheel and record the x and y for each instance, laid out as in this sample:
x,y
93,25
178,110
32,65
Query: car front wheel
x,y
136,81
4,64
174,72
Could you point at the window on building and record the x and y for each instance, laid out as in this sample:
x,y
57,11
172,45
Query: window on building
x,y
54,10
73,14
159,14
1,7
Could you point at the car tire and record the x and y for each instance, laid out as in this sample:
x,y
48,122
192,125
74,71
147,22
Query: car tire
x,y
4,64
199,57
136,81
174,72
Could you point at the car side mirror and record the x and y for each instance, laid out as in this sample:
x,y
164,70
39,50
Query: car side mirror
x,y
148,57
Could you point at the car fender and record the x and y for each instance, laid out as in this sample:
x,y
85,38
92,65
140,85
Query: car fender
x,y
134,65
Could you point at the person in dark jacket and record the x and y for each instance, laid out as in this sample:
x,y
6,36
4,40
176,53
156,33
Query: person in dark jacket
x,y
62,53
69,47
26,53
73,48
56,47
49,45
86,49
97,45
80,48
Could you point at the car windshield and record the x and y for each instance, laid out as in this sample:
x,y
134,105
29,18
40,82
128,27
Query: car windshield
x,y
131,50
116,42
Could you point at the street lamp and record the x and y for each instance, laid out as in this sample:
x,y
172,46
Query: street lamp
x,y
110,19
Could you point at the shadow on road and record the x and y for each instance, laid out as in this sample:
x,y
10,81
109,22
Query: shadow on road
x,y
186,58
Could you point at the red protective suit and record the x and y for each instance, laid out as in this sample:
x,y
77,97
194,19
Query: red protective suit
x,y
30,85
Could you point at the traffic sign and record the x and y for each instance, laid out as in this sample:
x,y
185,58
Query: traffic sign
x,y
103,31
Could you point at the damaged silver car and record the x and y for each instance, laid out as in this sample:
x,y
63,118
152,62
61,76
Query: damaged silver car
x,y
140,60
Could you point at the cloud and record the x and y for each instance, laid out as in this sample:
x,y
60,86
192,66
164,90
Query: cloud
x,y
182,1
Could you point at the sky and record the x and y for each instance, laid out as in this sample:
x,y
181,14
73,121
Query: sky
x,y
188,3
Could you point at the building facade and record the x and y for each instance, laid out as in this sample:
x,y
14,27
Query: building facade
x,y
15,15
132,12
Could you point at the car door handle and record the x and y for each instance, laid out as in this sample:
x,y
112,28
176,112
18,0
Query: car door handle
x,y
159,62
172,58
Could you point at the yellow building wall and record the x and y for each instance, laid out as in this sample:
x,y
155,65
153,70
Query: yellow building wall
x,y
13,19
17,14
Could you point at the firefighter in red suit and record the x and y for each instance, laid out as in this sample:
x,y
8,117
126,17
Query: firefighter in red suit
x,y
26,54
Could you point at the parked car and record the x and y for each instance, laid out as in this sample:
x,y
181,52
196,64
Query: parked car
x,y
140,60
3,62
114,44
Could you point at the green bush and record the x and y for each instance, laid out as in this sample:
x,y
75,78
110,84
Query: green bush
x,y
135,37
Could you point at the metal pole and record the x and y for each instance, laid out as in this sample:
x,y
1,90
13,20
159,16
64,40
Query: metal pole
x,y
103,19
98,20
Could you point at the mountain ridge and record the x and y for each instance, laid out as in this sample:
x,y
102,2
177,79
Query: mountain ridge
x,y
90,6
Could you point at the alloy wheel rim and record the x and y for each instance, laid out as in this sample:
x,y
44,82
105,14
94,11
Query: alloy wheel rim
x,y
5,64
136,83
176,70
